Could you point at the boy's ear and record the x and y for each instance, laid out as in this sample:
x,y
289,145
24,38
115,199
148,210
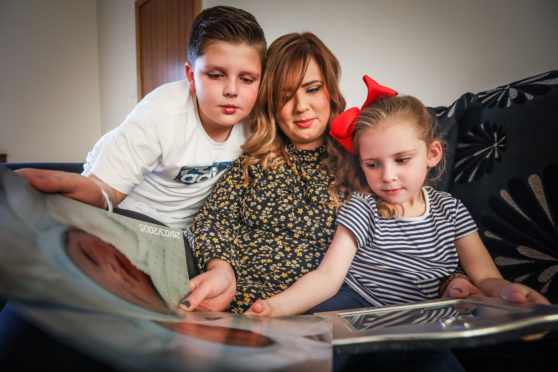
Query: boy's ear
x,y
190,76
434,154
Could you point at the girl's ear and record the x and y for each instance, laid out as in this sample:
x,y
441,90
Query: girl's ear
x,y
434,154
190,76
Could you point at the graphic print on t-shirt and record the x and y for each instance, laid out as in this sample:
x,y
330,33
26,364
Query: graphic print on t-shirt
x,y
190,175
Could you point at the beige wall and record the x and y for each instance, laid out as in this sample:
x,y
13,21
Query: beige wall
x,y
434,49
68,75
67,67
49,79
117,60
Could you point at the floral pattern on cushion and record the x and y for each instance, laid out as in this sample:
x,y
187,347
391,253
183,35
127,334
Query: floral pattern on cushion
x,y
521,231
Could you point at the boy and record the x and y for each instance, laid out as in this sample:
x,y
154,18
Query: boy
x,y
164,159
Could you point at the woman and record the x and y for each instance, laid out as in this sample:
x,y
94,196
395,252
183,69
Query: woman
x,y
269,220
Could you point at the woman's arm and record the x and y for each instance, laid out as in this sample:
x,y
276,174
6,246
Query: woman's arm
x,y
316,286
480,267
214,230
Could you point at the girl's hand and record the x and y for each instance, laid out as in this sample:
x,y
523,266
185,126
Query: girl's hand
x,y
460,287
519,293
261,308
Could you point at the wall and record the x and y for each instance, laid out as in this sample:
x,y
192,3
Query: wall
x,y
434,49
117,60
68,66
49,79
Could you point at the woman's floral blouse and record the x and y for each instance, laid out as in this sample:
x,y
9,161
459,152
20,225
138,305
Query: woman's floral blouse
x,y
273,230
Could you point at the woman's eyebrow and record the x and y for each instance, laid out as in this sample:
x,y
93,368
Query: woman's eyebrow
x,y
304,85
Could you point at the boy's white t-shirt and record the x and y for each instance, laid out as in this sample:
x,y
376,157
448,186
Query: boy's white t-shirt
x,y
162,158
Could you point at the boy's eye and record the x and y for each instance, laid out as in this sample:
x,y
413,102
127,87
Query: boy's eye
x,y
403,160
214,75
247,80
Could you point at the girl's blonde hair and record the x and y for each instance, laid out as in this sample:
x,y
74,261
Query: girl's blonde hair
x,y
287,60
349,176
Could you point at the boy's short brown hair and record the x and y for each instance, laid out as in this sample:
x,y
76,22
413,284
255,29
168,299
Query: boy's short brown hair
x,y
225,23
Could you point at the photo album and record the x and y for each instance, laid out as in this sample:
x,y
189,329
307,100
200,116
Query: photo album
x,y
110,285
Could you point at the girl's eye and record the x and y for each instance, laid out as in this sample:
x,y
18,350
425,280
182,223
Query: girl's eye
x,y
370,165
403,160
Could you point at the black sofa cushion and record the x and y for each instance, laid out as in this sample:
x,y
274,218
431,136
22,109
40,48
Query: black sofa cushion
x,y
67,167
506,173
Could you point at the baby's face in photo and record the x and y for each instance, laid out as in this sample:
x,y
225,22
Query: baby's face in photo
x,y
109,268
220,334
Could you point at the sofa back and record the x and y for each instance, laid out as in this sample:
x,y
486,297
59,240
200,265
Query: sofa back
x,y
504,168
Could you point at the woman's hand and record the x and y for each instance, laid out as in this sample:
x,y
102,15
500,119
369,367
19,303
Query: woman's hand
x,y
212,290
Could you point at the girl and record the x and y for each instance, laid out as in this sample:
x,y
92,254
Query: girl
x,y
396,237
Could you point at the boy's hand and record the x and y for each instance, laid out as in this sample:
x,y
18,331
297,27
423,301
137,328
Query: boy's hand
x,y
212,290
72,185
261,308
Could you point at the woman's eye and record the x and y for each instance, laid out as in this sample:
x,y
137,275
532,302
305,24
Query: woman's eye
x,y
314,89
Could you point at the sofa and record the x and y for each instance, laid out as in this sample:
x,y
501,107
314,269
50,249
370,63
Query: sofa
x,y
502,162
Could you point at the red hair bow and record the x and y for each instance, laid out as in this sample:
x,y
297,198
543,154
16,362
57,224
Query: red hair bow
x,y
343,125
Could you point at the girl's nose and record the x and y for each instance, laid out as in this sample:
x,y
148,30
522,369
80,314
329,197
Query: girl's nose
x,y
388,173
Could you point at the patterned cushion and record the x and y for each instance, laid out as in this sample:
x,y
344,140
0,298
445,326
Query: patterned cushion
x,y
447,120
506,173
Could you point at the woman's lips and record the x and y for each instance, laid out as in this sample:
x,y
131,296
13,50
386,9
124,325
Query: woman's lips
x,y
304,123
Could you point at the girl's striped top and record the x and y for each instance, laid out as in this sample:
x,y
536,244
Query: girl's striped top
x,y
402,259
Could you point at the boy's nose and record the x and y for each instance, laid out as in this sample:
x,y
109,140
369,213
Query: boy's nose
x,y
231,88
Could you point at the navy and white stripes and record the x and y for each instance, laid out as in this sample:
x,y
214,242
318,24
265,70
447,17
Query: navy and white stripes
x,y
401,260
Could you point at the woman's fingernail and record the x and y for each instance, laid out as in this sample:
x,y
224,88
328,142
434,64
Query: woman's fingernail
x,y
186,303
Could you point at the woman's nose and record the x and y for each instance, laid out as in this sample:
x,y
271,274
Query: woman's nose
x,y
301,103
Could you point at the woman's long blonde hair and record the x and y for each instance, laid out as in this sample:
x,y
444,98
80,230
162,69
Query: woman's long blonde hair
x,y
287,60
350,177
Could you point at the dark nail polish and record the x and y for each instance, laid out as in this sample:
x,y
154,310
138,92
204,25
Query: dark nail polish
x,y
186,303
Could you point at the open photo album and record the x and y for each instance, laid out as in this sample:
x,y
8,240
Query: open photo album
x,y
110,286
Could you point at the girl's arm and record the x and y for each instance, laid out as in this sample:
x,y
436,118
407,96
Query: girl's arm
x,y
480,267
316,286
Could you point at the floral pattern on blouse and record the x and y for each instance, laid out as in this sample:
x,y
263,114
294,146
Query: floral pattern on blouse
x,y
273,230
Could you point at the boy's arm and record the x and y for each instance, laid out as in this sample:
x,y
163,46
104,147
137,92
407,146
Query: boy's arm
x,y
316,286
72,185
480,267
